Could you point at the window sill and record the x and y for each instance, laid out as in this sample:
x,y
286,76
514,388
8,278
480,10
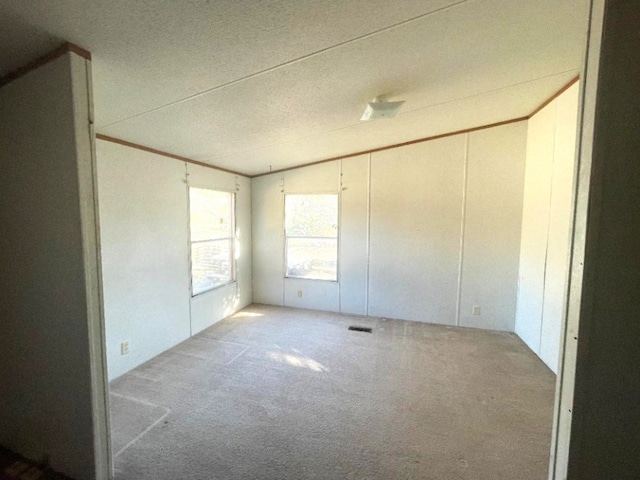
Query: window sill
x,y
204,292
311,279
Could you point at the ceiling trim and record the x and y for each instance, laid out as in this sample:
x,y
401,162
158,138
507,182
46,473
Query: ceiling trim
x,y
66,47
555,95
72,47
396,145
434,137
137,146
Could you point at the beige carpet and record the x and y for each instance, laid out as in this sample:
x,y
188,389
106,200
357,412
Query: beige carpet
x,y
285,394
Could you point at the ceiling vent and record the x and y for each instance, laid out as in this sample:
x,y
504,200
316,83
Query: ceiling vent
x,y
381,108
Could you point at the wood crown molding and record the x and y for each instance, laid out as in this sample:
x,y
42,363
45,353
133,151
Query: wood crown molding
x,y
66,47
397,145
137,146
555,95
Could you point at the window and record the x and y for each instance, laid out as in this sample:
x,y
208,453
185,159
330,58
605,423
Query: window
x,y
311,231
212,218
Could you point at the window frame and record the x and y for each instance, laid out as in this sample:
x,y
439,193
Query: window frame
x,y
311,237
232,239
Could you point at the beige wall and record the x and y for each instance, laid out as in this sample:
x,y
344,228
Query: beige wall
x,y
52,403
495,172
145,253
427,231
546,225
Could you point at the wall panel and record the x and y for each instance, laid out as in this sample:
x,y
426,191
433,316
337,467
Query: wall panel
x,y
535,225
546,226
557,263
416,218
51,380
401,224
314,294
354,214
491,247
145,253
267,200
321,178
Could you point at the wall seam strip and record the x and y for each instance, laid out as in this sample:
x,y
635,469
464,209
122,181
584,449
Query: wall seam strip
x,y
103,463
189,260
283,232
565,382
339,246
546,250
462,227
368,248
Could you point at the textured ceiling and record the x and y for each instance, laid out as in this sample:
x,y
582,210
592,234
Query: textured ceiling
x,y
260,84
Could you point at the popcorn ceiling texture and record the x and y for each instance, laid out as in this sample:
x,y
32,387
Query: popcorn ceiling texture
x,y
245,85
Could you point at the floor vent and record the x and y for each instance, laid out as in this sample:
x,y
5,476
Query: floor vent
x,y
355,328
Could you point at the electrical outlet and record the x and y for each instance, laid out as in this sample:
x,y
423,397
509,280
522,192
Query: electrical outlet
x,y
299,293
124,348
476,310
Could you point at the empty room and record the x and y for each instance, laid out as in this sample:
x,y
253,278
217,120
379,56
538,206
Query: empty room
x,y
297,239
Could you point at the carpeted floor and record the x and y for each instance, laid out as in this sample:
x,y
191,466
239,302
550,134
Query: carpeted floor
x,y
284,394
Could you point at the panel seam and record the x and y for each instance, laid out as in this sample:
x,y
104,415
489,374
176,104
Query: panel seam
x,y
368,247
462,227
546,250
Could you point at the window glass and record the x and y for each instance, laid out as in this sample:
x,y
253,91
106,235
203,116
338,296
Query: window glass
x,y
312,258
211,264
211,216
311,215
311,228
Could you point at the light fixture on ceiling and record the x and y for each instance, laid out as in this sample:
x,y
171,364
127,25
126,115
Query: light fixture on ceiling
x,y
381,108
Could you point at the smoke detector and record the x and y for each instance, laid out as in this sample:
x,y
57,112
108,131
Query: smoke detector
x,y
381,108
